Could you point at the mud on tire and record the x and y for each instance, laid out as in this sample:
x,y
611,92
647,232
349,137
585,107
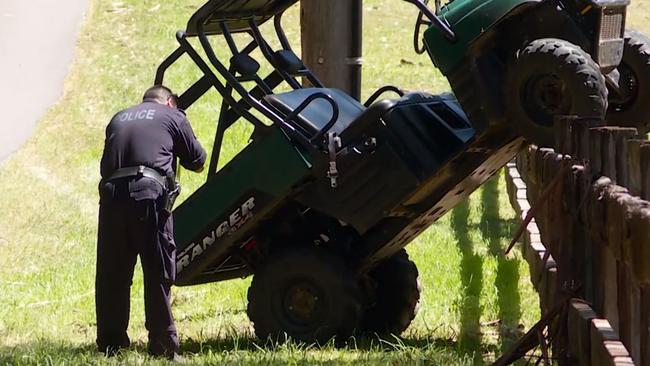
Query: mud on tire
x,y
551,77
306,294
396,297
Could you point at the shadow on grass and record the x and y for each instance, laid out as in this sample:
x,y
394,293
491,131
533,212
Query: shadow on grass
x,y
362,343
471,271
495,229
247,349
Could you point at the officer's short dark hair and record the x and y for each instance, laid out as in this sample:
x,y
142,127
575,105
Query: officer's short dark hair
x,y
160,94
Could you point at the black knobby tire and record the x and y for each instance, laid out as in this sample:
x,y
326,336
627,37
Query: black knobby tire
x,y
306,294
552,77
396,297
633,108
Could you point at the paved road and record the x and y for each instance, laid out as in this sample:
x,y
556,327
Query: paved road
x,y
37,41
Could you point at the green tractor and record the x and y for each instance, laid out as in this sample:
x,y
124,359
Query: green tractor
x,y
522,62
320,203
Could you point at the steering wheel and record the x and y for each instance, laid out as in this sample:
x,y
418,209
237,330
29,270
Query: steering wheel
x,y
432,19
419,49
420,22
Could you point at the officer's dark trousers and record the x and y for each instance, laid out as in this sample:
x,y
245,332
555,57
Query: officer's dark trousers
x,y
128,228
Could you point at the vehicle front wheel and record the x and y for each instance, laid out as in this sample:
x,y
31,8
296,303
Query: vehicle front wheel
x,y
552,77
630,107
306,294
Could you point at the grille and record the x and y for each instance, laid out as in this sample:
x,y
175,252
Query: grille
x,y
611,25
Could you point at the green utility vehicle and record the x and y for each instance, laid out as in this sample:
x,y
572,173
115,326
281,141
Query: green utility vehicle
x,y
525,61
320,203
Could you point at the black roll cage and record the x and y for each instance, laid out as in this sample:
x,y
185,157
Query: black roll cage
x,y
232,109
228,17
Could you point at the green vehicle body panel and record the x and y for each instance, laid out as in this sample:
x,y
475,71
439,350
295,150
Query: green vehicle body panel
x,y
468,19
272,155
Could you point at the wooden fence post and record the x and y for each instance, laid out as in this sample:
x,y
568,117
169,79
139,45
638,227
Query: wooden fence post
x,y
622,169
639,251
608,152
610,253
618,239
596,218
601,332
553,212
579,325
535,177
645,171
630,312
582,146
645,326
522,162
634,183
545,173
579,248
595,153
562,125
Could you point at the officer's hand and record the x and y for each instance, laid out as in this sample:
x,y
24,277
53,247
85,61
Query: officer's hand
x,y
200,169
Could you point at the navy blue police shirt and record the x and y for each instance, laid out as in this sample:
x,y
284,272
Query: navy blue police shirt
x,y
153,135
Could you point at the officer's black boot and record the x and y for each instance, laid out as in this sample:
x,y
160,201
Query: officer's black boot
x,y
112,350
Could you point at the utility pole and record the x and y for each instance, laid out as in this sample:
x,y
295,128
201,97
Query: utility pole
x,y
331,33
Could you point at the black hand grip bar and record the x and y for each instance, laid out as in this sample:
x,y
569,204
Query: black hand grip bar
x,y
277,23
382,90
306,102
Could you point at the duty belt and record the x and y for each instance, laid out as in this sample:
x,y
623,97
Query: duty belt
x,y
139,171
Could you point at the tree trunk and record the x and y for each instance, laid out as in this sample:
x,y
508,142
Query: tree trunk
x,y
331,33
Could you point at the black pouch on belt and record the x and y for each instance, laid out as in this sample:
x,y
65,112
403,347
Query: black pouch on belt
x,y
171,193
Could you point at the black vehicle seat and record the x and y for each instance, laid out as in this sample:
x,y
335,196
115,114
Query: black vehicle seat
x,y
378,109
319,112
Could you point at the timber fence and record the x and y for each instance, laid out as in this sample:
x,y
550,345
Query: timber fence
x,y
590,236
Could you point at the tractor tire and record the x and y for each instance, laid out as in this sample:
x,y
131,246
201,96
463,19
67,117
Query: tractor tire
x,y
548,78
306,295
633,107
396,297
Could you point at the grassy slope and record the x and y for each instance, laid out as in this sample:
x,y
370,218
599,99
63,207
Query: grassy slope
x,y
49,205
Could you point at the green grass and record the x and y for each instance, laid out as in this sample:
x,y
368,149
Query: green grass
x,y
474,303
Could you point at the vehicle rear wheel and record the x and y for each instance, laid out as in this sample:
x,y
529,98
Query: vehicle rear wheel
x,y
631,106
552,77
396,297
306,294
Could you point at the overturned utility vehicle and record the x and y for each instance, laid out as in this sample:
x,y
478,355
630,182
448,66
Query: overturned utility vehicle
x,y
320,203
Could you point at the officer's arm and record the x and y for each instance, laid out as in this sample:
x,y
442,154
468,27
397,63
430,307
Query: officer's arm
x,y
105,165
191,154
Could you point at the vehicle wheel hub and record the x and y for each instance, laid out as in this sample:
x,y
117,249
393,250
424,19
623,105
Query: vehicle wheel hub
x,y
548,96
302,303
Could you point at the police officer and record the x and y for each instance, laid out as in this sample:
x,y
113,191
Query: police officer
x,y
137,167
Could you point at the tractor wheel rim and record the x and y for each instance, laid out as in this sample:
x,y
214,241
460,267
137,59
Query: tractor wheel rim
x,y
545,97
302,303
